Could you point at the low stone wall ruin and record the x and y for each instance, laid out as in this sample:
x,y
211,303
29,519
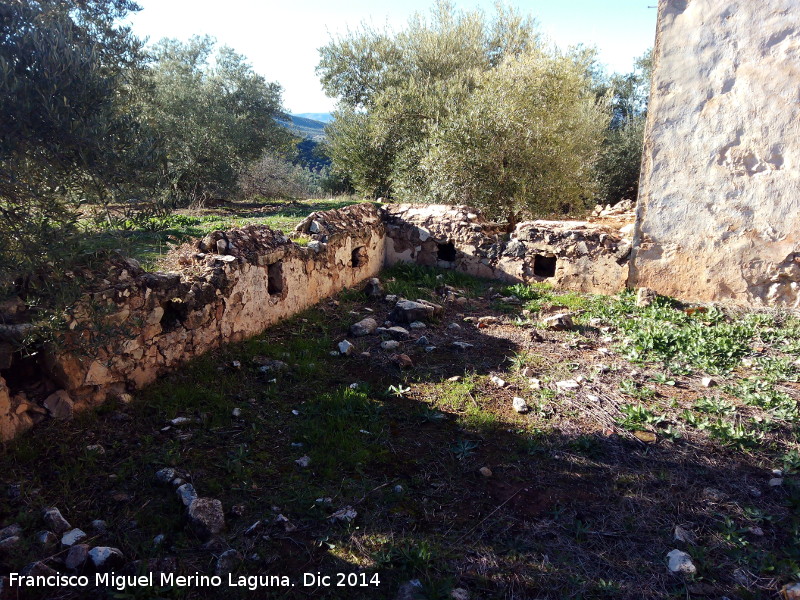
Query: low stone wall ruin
x,y
570,255
131,326
134,325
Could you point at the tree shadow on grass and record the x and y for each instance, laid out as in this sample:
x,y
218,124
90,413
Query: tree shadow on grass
x,y
571,508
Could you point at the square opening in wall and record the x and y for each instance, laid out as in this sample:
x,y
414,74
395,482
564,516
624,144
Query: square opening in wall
x,y
544,266
358,258
275,278
446,252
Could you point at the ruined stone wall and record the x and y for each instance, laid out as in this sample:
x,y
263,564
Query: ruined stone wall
x,y
133,326
570,255
718,213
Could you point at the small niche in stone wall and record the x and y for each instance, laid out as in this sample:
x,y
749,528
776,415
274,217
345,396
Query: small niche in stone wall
x,y
446,252
358,258
544,266
275,278
174,315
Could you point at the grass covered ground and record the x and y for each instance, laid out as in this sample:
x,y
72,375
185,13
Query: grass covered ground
x,y
585,490
150,239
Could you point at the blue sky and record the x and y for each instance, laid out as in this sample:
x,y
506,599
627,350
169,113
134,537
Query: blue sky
x,y
281,38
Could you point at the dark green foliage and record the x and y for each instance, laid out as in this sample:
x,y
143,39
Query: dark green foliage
x,y
311,155
406,104
212,118
620,161
68,76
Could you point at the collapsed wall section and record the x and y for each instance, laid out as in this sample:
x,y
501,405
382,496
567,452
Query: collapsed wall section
x,y
571,255
718,214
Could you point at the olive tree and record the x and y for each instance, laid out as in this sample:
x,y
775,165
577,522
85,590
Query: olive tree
x,y
211,117
395,88
620,161
71,133
525,142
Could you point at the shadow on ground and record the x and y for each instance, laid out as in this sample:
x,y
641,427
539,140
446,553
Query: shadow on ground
x,y
450,486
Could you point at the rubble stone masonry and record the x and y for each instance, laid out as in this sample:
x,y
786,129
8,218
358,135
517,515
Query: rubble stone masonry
x,y
130,326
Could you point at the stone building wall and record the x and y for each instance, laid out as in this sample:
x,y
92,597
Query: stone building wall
x,y
570,255
719,205
131,326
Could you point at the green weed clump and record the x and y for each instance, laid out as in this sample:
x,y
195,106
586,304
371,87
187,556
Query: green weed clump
x,y
409,280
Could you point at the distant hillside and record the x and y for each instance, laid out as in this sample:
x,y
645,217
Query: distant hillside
x,y
322,117
305,128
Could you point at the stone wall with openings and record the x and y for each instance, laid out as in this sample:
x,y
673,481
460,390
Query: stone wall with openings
x,y
573,255
131,326
719,204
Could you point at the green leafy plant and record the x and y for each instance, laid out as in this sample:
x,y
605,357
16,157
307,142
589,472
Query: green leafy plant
x,y
636,415
398,390
714,405
662,379
464,448
631,388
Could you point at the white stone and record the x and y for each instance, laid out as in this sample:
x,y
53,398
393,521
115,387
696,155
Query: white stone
x,y
567,385
346,514
59,404
165,475
345,347
104,557
46,538
73,536
497,381
520,405
99,526
303,461
390,345
684,535
206,516
14,530
680,562
364,327
791,591
186,493
559,322
55,521
76,557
